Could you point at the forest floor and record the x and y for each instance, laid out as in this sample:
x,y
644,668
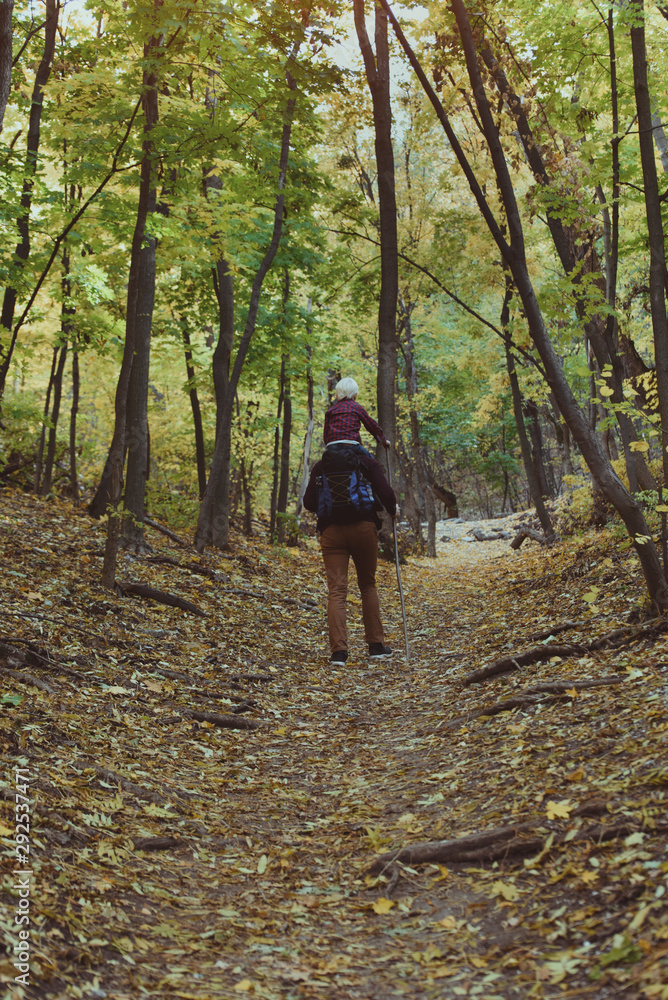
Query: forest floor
x,y
173,856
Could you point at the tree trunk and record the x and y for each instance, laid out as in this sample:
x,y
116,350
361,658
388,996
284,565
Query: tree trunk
x,y
422,485
32,149
378,77
45,485
6,10
273,504
66,326
514,255
533,419
657,262
39,458
284,476
213,526
525,446
200,456
76,383
141,290
308,439
600,331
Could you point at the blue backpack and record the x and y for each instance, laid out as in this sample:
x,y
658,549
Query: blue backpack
x,y
342,486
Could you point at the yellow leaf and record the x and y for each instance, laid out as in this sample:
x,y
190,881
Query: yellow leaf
x,y
572,692
154,685
5,831
639,446
262,864
559,810
605,390
243,986
661,508
588,877
382,905
576,775
505,889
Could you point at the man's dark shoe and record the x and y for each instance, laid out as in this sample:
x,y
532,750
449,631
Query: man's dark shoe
x,y
340,656
378,651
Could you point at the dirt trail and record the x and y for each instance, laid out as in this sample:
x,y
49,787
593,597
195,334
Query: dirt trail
x,y
265,889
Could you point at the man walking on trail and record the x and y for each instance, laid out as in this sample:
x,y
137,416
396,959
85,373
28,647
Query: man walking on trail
x,y
345,533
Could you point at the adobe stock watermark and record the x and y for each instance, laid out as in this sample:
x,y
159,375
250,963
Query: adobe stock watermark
x,y
22,876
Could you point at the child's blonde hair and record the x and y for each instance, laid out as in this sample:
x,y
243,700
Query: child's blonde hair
x,y
347,388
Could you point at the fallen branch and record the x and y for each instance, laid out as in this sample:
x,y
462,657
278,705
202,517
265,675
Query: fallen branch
x,y
308,603
525,533
155,843
165,531
224,721
532,697
35,657
555,630
510,663
612,640
19,675
143,590
129,786
503,843
192,567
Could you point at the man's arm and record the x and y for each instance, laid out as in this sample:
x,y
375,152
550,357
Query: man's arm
x,y
311,492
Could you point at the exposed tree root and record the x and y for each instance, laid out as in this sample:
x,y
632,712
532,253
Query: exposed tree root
x,y
308,603
155,843
35,657
165,531
504,843
143,590
526,532
192,567
531,697
224,721
129,786
613,640
20,675
555,630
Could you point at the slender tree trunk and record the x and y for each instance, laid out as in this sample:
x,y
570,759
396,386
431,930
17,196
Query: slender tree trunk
x,y
533,418
23,221
284,477
45,485
525,446
422,485
378,77
602,332
200,456
308,439
657,262
74,479
273,505
213,526
514,255
6,10
66,325
141,290
39,458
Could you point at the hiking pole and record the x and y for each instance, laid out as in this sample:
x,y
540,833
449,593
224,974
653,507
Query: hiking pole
x,y
396,560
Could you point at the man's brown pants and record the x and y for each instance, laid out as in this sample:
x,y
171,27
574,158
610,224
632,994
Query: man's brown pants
x,y
338,543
